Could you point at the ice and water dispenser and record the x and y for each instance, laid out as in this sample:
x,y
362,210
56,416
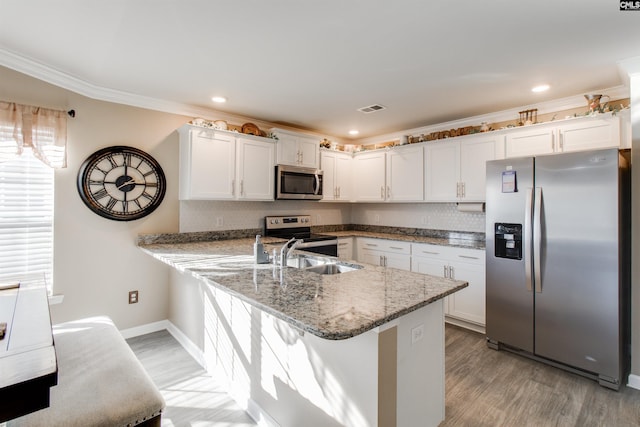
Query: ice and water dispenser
x,y
508,240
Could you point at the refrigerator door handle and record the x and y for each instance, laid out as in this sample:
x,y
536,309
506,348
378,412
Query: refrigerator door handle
x,y
528,236
537,237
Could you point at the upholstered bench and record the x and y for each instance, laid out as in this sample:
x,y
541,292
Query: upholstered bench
x,y
100,381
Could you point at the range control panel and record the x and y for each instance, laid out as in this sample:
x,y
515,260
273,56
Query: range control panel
x,y
284,222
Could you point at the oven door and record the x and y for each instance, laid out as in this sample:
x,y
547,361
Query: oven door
x,y
322,247
298,183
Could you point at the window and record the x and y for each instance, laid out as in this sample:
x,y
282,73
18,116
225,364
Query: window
x,y
26,219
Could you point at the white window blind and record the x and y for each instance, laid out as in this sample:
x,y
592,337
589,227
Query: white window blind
x,y
26,219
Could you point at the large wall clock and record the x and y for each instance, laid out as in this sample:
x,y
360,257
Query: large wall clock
x,y
121,183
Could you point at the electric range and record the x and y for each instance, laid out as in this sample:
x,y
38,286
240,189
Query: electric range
x,y
299,226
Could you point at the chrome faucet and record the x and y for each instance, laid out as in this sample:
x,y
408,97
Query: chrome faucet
x,y
286,250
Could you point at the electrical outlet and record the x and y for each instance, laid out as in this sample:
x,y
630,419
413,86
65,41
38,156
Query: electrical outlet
x,y
376,219
417,333
219,221
133,297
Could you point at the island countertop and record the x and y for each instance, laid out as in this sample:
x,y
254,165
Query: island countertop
x,y
335,307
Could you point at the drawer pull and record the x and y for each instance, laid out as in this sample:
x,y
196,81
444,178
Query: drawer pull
x,y
396,248
371,244
468,257
431,253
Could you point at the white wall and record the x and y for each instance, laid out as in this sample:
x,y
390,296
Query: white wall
x,y
96,262
436,216
201,215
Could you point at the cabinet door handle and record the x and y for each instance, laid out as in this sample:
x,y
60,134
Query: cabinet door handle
x,y
464,190
446,272
388,192
242,187
233,187
561,137
338,192
452,273
382,192
553,142
385,260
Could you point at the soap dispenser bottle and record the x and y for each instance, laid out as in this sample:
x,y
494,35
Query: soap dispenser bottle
x,y
261,256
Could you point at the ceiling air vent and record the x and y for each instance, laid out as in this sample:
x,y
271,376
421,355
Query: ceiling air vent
x,y
371,108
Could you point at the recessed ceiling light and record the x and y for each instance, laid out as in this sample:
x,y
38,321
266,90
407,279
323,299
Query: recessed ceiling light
x,y
540,88
354,132
219,99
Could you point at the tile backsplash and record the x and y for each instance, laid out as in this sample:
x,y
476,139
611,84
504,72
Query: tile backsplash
x,y
196,215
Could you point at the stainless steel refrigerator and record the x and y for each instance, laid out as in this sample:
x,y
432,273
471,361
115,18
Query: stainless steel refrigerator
x,y
558,260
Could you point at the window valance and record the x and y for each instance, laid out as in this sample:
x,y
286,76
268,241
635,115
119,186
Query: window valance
x,y
44,130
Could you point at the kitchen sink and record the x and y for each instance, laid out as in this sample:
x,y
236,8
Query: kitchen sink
x,y
333,268
321,265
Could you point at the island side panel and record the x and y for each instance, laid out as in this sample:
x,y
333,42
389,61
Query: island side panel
x,y
421,382
277,374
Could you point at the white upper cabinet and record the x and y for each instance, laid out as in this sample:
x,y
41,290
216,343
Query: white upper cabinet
x,y
369,182
590,134
336,167
395,175
442,171
218,165
572,135
256,173
405,174
455,171
297,149
207,164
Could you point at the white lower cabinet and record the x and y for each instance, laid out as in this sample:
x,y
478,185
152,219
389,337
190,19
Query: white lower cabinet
x,y
467,306
345,248
385,253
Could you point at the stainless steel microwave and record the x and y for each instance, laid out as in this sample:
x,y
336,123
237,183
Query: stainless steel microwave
x,y
298,183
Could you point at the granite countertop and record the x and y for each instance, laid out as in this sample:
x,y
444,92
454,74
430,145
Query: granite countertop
x,y
460,241
335,307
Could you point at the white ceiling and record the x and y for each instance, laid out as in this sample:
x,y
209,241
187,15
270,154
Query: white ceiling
x,y
312,64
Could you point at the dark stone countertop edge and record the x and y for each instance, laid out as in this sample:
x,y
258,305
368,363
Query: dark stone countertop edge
x,y
465,239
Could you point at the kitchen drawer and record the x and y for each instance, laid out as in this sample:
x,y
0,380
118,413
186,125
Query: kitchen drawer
x,y
451,253
392,246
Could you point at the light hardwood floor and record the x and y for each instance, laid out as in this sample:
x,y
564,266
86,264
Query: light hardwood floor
x,y
484,388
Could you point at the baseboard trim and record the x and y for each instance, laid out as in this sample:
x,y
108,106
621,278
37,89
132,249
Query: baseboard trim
x,y
145,329
186,343
634,381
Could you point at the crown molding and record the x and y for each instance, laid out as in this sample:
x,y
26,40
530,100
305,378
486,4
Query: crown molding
x,y
66,81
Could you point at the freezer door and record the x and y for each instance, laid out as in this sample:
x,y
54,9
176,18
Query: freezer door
x,y
576,306
509,302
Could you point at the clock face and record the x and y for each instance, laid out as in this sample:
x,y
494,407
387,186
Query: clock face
x,y
121,183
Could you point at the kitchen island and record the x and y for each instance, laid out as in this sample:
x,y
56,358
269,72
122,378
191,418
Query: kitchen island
x,y
362,348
